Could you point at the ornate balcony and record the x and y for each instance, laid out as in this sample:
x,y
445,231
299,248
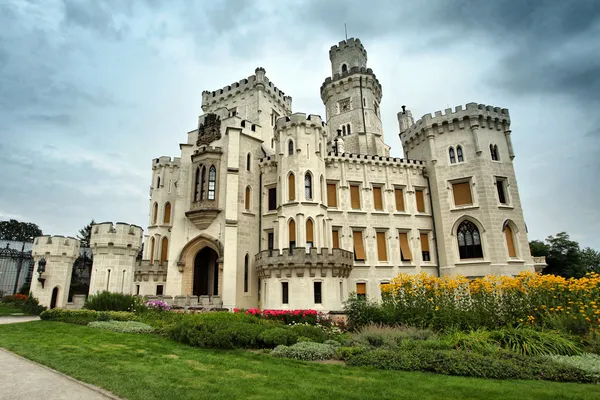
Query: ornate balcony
x,y
539,263
300,261
202,213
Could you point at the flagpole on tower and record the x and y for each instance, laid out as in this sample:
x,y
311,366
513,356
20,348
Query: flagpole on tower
x,y
346,31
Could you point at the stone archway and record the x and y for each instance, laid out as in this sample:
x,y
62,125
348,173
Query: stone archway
x,y
187,258
54,298
206,273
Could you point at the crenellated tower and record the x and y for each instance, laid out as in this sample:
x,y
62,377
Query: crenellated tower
x,y
115,249
352,98
53,283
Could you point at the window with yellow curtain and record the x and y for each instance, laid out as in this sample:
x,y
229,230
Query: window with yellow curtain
x,y
462,193
399,194
291,187
405,254
361,290
420,201
155,213
309,233
167,216
355,196
335,236
152,244
292,234
164,250
359,248
247,198
331,195
377,198
510,243
381,247
425,247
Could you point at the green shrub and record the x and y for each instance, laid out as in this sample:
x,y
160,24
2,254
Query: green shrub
x,y
307,351
591,343
465,363
478,340
589,363
218,333
304,339
103,316
276,336
529,341
32,306
314,333
361,312
332,343
346,352
122,326
84,317
377,335
107,301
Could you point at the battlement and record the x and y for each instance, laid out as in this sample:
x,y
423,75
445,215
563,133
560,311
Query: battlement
x,y
346,77
475,114
373,159
57,245
166,161
351,43
120,235
312,120
258,79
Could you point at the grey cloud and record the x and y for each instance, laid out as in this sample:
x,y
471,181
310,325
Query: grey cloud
x,y
56,119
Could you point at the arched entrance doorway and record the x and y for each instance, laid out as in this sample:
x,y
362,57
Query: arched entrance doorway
x,y
206,273
54,297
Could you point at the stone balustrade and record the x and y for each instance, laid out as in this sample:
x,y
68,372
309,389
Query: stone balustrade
x,y
324,263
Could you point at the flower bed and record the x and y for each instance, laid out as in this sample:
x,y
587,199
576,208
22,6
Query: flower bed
x,y
290,317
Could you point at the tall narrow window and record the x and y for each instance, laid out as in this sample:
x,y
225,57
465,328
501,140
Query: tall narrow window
x,y
405,254
108,279
308,186
331,195
291,187
420,201
500,189
154,213
462,193
399,194
510,243
285,294
246,274
317,292
452,156
152,245
272,199
361,290
167,213
348,130
496,152
270,242
158,182
425,247
359,247
381,247
137,290
292,234
212,179
290,148
469,241
335,239
203,183
247,198
160,290
164,250
355,197
459,154
197,185
322,189
344,68
377,199
309,234
248,161
343,130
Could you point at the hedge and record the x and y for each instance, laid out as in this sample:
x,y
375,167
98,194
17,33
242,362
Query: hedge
x,y
84,317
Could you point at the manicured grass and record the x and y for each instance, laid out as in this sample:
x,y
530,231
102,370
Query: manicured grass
x,y
6,309
151,367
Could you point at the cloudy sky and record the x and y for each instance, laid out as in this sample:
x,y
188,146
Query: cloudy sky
x,y
91,91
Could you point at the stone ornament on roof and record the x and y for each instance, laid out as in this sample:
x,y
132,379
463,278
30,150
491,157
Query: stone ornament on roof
x,y
210,130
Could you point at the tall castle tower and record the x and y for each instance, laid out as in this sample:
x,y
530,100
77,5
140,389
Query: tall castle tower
x,y
352,97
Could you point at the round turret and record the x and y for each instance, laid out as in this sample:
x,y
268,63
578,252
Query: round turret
x,y
347,54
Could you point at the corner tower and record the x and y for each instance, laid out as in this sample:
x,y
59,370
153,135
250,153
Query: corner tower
x,y
352,97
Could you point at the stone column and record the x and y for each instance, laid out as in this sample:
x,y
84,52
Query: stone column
x,y
474,131
511,152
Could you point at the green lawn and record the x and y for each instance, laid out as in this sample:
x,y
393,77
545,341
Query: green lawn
x,y
6,309
151,367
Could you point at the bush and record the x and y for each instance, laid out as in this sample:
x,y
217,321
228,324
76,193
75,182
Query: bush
x,y
157,305
122,326
533,342
346,352
465,363
32,306
589,363
313,333
277,336
332,343
592,342
388,336
84,317
107,301
307,351
216,332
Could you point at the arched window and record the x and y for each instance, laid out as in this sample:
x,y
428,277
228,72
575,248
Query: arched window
x,y
247,199
322,187
155,214
212,180
510,240
158,182
248,160
348,129
344,68
167,213
496,153
246,273
469,240
290,148
309,234
203,183
164,250
291,187
152,245
292,234
308,186
452,156
197,186
459,154
343,130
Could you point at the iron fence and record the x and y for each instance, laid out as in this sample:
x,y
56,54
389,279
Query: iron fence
x,y
16,265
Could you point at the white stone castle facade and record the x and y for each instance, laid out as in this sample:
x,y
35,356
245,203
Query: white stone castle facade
x,y
273,209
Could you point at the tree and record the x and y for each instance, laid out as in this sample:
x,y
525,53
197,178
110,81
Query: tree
x,y
20,231
563,256
590,259
539,248
85,234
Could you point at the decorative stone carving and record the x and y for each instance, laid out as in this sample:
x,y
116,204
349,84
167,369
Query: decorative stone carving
x,y
210,130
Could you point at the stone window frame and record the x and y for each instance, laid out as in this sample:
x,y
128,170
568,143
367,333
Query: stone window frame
x,y
360,200
403,261
337,197
314,285
381,187
386,237
514,232
503,180
428,233
474,199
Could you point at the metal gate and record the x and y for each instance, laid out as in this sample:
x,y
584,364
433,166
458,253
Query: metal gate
x,y
16,266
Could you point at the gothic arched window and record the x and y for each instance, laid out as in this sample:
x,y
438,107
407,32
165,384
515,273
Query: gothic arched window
x,y
308,186
197,185
343,130
291,187
348,129
290,148
167,213
246,273
212,180
203,183
248,160
344,68
155,214
459,154
496,152
469,240
158,182
452,156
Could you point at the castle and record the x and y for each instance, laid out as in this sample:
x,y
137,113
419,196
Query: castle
x,y
273,209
